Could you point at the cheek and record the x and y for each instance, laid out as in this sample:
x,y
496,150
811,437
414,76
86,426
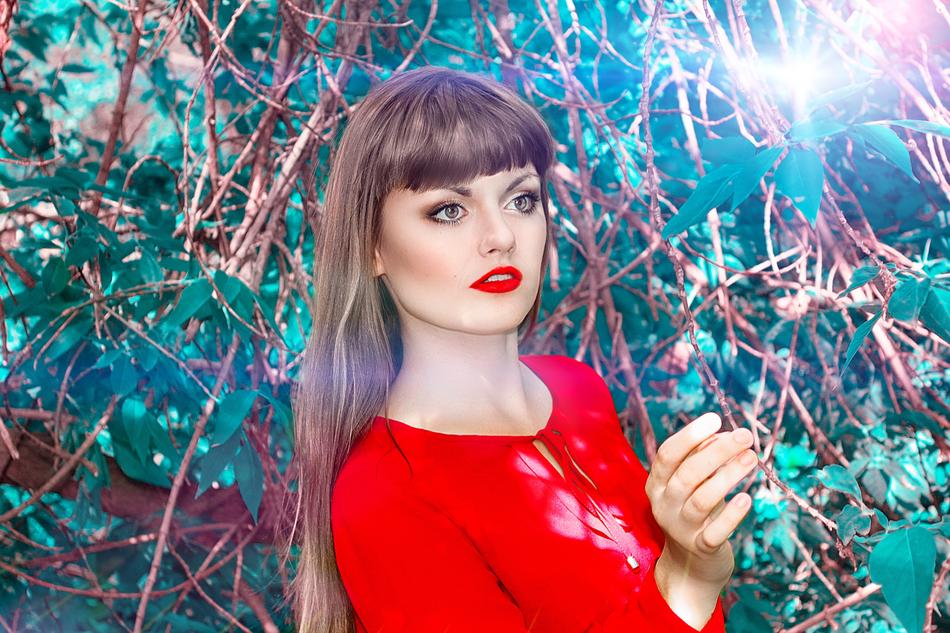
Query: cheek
x,y
417,259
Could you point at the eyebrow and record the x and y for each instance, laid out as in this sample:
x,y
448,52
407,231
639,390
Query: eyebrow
x,y
467,192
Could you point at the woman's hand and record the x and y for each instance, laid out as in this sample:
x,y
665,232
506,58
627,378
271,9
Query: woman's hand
x,y
687,485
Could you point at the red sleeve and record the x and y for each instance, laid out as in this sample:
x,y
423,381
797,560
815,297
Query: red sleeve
x,y
408,568
650,607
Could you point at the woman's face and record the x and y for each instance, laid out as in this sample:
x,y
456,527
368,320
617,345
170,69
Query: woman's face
x,y
435,245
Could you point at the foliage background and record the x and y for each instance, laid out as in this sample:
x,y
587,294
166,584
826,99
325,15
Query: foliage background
x,y
751,210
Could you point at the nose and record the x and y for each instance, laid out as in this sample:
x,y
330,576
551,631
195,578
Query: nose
x,y
496,233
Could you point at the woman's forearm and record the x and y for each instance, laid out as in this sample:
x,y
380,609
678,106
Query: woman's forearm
x,y
693,599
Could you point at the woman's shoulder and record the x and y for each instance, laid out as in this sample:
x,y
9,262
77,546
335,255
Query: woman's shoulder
x,y
566,371
371,481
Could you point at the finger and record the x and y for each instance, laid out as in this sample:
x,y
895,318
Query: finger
x,y
715,513
702,464
675,449
706,442
702,503
723,526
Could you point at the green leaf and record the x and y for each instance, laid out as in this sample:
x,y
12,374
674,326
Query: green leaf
x,y
801,177
922,126
860,277
753,171
840,478
907,298
711,190
935,312
887,143
729,149
860,334
903,564
231,413
250,478
55,276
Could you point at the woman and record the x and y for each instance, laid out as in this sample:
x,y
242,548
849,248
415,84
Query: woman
x,y
447,483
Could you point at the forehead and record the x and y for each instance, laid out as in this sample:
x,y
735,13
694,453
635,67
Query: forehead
x,y
509,179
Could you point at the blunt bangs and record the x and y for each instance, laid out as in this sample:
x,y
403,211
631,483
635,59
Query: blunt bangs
x,y
454,131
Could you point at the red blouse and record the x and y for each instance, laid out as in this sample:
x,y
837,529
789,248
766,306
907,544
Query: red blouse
x,y
483,534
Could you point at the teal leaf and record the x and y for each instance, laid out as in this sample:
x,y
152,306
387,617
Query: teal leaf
x,y
108,357
213,463
839,478
711,190
907,298
134,419
753,171
887,143
861,276
860,334
881,518
82,250
68,339
875,483
77,68
922,126
729,149
836,95
231,413
851,521
283,413
55,276
903,564
250,478
140,470
192,299
801,177
151,271
935,312
124,377
815,128
268,309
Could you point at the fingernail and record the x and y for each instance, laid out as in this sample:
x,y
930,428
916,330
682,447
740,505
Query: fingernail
x,y
712,423
747,459
741,436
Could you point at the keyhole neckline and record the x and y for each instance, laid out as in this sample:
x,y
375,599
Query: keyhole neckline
x,y
479,437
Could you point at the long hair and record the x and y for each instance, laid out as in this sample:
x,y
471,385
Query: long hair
x,y
426,128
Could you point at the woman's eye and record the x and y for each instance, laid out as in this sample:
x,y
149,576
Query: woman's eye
x,y
452,213
528,201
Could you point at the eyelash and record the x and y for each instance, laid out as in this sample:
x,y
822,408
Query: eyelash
x,y
530,195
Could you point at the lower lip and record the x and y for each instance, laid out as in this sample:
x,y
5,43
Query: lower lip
x,y
505,285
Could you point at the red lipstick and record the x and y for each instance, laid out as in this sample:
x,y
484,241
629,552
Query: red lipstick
x,y
504,285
